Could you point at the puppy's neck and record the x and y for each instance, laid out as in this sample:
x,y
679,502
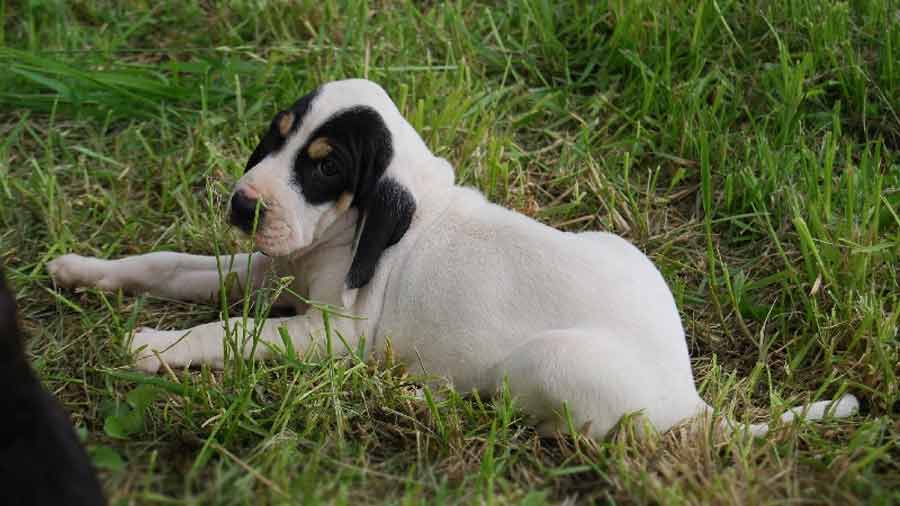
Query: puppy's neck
x,y
338,233
423,174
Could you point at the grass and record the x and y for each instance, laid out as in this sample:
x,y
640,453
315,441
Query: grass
x,y
750,148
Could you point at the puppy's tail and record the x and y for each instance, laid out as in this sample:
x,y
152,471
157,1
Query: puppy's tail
x,y
846,406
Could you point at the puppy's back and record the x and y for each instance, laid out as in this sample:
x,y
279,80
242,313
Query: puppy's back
x,y
41,461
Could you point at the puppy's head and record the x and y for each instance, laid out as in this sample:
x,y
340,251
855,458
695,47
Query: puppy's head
x,y
339,157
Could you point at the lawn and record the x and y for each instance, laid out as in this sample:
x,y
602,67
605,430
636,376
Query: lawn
x,y
750,148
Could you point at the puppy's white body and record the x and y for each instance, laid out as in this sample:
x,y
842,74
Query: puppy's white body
x,y
470,292
583,318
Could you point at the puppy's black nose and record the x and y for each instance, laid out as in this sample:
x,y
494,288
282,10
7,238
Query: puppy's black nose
x,y
243,211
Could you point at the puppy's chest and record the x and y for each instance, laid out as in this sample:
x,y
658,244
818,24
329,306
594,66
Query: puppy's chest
x,y
318,276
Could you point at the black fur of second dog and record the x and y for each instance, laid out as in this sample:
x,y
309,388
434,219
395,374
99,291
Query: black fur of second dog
x,y
41,460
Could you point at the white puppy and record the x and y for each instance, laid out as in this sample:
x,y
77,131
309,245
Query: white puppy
x,y
346,197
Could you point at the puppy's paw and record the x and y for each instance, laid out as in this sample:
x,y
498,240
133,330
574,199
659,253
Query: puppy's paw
x,y
149,345
75,271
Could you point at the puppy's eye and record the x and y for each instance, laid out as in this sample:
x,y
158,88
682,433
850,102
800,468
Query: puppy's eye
x,y
327,168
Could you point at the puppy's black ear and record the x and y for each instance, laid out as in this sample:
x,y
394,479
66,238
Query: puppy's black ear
x,y
386,217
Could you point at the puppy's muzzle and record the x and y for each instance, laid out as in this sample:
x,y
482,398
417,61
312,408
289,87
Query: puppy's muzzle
x,y
244,213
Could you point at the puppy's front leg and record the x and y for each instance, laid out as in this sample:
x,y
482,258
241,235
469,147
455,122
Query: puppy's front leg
x,y
205,344
179,276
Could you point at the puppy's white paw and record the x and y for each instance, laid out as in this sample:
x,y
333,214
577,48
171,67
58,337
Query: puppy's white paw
x,y
75,271
148,344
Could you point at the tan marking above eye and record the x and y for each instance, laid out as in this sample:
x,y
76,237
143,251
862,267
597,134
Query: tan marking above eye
x,y
319,148
285,123
344,202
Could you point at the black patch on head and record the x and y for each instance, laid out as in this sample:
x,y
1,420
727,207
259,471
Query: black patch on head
x,y
360,152
272,140
41,460
361,149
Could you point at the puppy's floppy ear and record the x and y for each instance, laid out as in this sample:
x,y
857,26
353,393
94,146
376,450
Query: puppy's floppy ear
x,y
386,217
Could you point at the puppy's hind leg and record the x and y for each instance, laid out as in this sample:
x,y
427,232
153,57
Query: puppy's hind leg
x,y
599,378
170,275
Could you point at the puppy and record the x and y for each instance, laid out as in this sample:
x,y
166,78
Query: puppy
x,y
343,195
41,460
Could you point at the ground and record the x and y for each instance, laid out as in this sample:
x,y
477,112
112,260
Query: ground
x,y
750,148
